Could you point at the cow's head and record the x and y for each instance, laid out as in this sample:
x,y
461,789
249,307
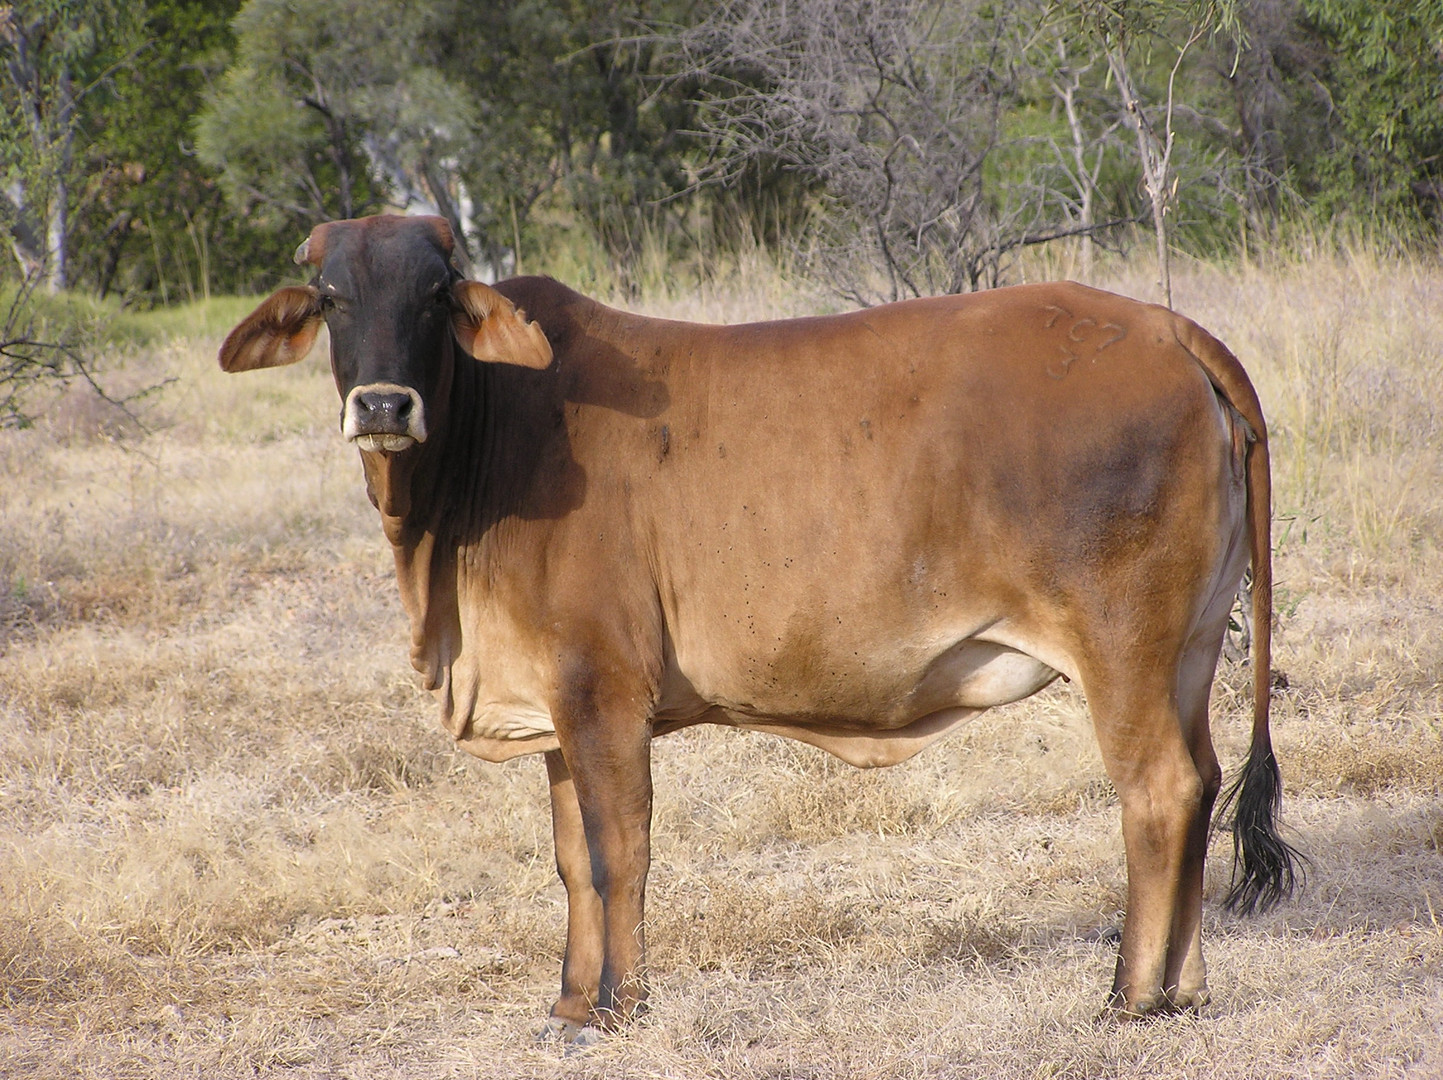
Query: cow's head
x,y
387,290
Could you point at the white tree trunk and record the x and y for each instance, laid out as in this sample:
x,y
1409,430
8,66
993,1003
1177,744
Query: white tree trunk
x,y
1153,155
40,200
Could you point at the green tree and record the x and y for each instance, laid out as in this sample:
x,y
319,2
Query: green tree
x,y
474,111
152,220
47,49
513,62
576,104
1280,107
284,128
1384,74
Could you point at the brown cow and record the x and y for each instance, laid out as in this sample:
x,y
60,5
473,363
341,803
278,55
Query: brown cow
x,y
856,530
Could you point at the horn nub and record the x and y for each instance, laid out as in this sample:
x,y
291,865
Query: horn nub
x,y
313,248
441,229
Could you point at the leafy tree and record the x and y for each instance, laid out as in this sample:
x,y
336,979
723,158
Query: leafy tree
x,y
518,63
1280,106
633,123
47,50
285,128
151,219
162,148
579,110
1384,73
473,111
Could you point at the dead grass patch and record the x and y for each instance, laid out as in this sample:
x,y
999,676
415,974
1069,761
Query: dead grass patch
x,y
1368,761
820,798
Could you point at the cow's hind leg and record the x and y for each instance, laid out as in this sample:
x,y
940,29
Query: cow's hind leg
x,y
1186,980
581,967
1140,733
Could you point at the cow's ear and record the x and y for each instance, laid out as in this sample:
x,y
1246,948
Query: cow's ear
x,y
492,328
280,331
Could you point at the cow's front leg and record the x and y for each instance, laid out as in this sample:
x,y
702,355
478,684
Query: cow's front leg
x,y
581,967
606,742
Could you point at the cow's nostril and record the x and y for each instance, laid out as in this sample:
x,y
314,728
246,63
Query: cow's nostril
x,y
384,411
384,416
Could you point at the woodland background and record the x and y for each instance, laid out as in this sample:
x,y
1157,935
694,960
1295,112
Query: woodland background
x,y
164,150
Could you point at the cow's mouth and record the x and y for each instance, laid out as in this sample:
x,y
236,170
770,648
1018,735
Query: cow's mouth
x,y
390,443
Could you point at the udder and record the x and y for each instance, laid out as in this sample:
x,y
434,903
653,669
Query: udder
x,y
976,674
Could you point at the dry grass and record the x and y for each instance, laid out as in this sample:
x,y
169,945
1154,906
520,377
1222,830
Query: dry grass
x,y
235,843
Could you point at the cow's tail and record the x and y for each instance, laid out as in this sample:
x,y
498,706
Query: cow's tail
x,y
1265,866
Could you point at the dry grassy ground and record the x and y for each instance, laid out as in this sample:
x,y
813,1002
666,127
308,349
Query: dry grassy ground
x,y
234,843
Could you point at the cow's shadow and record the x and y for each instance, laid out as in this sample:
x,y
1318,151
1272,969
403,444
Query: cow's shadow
x,y
532,471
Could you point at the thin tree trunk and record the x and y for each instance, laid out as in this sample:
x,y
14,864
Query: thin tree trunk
x,y
1155,153
58,227
1154,162
434,178
51,135
57,277
1086,179
27,247
1159,228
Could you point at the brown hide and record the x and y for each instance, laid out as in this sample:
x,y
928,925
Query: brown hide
x,y
827,526
855,530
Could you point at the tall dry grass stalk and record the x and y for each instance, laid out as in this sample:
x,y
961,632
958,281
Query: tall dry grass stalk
x,y
234,842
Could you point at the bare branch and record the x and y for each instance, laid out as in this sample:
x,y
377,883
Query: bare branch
x,y
890,106
30,360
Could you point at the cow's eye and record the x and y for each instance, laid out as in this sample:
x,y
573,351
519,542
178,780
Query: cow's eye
x,y
327,302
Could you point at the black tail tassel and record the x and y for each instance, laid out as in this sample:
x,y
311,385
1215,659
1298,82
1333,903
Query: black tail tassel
x,y
1266,868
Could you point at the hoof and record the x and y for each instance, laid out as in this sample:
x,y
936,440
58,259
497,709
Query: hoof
x,y
1150,1008
1118,1011
569,1035
1189,1000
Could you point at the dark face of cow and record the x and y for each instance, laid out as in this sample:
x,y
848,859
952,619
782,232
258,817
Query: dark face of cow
x,y
384,290
394,304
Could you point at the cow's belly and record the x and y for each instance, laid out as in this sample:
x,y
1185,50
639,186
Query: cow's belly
x,y
873,710
498,727
840,682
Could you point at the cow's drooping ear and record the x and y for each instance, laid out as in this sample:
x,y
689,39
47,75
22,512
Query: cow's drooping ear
x,y
280,331
493,329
